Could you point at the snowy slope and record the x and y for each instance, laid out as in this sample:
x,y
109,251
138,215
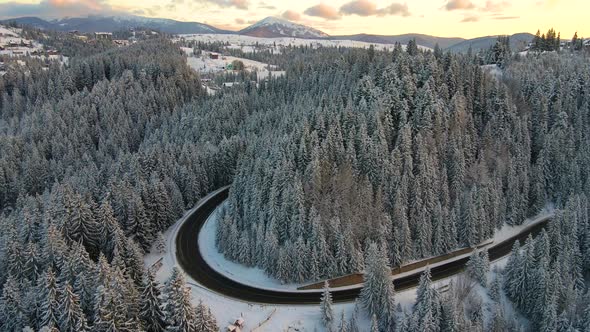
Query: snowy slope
x,y
249,43
96,23
272,27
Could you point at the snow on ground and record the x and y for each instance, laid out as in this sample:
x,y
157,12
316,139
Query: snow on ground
x,y
246,43
7,32
508,231
12,35
304,318
282,317
205,64
246,275
493,69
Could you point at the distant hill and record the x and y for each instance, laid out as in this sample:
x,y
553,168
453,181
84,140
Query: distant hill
x,y
518,42
32,21
422,40
273,27
114,23
270,27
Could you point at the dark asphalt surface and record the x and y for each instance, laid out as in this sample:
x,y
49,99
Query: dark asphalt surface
x,y
191,261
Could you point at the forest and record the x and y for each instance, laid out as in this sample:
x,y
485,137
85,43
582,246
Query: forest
x,y
355,160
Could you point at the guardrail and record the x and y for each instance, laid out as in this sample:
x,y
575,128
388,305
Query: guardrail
x,y
357,278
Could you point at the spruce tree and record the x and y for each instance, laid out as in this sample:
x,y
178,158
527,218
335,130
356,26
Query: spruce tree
x,y
326,307
151,315
204,320
71,316
180,313
377,294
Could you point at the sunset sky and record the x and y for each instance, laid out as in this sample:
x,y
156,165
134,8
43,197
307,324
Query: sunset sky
x,y
452,18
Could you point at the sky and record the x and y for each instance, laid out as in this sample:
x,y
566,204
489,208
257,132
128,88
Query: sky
x,y
445,18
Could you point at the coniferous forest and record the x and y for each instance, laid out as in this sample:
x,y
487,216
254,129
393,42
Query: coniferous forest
x,y
355,160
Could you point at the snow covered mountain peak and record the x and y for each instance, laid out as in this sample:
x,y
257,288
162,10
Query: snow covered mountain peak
x,y
271,27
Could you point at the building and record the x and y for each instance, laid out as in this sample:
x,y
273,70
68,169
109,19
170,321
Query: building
x,y
214,56
237,326
240,322
121,42
103,35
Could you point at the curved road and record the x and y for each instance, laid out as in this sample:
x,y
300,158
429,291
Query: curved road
x,y
191,261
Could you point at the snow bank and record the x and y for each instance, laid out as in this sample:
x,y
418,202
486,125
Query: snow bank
x,y
245,275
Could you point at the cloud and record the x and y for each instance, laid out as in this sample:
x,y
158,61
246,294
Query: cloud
x,y
240,4
359,7
322,10
291,15
459,4
264,5
240,21
470,18
57,8
492,6
395,9
506,17
368,8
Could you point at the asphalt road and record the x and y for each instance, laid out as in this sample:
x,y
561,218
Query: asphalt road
x,y
191,261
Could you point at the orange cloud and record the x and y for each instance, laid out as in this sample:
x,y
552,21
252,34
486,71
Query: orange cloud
x,y
324,11
291,15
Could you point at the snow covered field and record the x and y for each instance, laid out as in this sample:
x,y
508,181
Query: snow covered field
x,y
9,35
205,64
247,43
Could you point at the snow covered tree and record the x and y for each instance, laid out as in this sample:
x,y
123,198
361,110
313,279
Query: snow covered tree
x,y
374,323
71,316
377,294
11,306
48,299
180,313
426,313
151,315
204,319
160,243
478,266
326,307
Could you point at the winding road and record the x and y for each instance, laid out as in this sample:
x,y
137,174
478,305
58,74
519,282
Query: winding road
x,y
191,261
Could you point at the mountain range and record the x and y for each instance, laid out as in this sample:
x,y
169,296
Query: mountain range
x,y
270,27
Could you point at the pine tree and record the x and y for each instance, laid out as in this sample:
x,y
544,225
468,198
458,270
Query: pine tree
x,y
586,320
204,320
496,289
374,324
71,318
160,243
343,327
180,313
377,294
48,299
426,314
110,312
326,307
151,315
478,266
11,306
